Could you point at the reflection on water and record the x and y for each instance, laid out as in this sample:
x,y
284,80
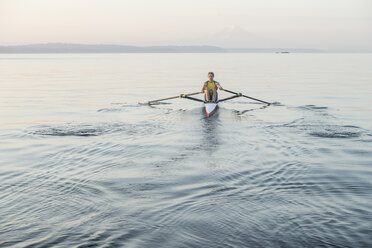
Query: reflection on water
x,y
210,132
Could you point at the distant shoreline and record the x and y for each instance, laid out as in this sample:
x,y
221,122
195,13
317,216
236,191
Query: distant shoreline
x,y
108,48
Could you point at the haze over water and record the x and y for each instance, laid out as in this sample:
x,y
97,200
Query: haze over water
x,y
83,164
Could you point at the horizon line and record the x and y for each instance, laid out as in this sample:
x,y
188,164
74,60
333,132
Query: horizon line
x,y
66,47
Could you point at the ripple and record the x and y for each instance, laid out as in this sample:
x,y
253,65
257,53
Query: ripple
x,y
324,130
123,107
312,107
88,130
276,104
80,130
335,134
110,110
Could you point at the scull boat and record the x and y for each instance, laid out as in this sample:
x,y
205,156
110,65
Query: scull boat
x,y
210,107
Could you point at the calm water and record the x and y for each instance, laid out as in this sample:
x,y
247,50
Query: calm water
x,y
82,164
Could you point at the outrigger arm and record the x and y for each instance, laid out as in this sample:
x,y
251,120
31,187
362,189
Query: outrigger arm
x,y
240,94
173,97
191,98
228,98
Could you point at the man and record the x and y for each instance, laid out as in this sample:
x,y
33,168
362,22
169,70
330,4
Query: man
x,y
210,88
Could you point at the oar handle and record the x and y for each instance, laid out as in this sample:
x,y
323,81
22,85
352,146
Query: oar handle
x,y
240,94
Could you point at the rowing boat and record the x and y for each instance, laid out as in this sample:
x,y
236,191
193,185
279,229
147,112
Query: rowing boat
x,y
210,107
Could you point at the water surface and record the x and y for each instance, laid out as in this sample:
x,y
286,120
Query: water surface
x,y
82,163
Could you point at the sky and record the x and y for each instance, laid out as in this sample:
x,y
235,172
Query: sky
x,y
330,25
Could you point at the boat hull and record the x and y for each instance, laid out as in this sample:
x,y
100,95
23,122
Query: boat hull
x,y
210,108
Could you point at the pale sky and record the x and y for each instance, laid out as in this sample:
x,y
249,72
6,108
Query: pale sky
x,y
332,25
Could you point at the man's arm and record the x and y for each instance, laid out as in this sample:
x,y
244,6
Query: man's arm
x,y
218,86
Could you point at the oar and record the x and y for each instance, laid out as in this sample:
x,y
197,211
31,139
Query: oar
x,y
240,94
191,98
173,97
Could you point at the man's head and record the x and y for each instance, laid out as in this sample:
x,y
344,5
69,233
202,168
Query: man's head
x,y
210,76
